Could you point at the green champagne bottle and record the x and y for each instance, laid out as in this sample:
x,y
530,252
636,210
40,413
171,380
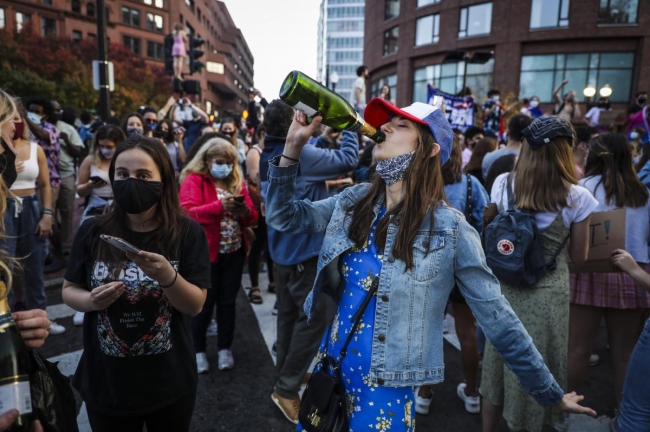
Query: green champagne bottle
x,y
310,97
14,369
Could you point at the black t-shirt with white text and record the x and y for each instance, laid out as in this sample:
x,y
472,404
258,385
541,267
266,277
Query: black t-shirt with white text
x,y
138,353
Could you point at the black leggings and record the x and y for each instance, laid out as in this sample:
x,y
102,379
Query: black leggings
x,y
175,417
255,254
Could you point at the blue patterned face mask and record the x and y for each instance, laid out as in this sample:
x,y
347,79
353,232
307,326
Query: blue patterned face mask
x,y
394,169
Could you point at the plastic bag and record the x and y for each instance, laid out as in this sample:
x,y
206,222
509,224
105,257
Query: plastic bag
x,y
53,401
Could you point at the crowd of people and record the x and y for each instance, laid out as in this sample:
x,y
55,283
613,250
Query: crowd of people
x,y
333,217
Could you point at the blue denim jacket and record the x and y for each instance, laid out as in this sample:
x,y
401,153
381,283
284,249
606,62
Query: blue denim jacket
x,y
407,347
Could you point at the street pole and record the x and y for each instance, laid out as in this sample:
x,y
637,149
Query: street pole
x,y
104,103
467,57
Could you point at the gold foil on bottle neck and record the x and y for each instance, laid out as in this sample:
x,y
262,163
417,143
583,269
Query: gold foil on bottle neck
x,y
4,303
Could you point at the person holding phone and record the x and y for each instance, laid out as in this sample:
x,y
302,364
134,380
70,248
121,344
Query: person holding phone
x,y
214,193
138,363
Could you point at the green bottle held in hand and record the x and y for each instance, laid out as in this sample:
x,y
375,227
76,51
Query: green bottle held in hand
x,y
310,97
14,369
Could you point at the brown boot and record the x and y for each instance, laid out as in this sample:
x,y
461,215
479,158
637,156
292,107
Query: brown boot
x,y
289,407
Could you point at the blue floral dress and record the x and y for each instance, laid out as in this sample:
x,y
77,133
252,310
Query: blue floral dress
x,y
370,407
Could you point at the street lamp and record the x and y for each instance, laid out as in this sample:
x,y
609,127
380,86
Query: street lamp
x,y
606,91
334,79
589,92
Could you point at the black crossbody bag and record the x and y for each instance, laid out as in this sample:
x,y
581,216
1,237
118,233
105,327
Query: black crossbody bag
x,y
323,407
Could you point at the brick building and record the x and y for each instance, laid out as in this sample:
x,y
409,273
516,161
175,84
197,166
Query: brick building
x,y
536,44
141,25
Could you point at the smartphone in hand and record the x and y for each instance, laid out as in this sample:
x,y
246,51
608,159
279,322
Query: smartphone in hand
x,y
119,243
96,179
239,198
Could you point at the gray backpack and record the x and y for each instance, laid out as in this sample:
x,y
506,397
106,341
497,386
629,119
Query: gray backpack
x,y
514,246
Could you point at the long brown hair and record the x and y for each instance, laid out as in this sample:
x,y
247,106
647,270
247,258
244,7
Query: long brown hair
x,y
544,176
168,212
424,190
483,147
610,156
452,169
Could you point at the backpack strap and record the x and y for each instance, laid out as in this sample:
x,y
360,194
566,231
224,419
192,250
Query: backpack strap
x,y
469,201
510,194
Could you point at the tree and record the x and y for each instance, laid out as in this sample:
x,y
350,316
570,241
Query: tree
x,y
58,68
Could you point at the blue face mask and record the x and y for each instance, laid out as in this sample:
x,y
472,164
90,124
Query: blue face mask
x,y
35,118
220,171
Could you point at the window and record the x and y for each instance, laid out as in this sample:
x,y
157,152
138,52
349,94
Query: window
x,y
392,9
2,19
92,36
448,77
48,27
189,29
90,9
132,44
618,11
154,23
345,42
427,30
76,6
130,16
390,41
549,13
346,56
341,26
155,50
160,4
198,13
475,20
390,81
346,12
47,2
21,20
422,3
76,36
190,4
541,74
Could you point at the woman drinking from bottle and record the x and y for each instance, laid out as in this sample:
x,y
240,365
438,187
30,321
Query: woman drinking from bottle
x,y
398,228
138,364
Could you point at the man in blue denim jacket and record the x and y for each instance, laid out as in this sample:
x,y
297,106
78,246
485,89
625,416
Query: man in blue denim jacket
x,y
295,255
407,333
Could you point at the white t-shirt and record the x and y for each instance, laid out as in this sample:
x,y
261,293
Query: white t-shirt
x,y
361,84
637,220
581,204
594,115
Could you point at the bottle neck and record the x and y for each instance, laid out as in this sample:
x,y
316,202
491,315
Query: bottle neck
x,y
371,132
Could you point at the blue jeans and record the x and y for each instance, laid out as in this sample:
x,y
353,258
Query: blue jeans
x,y
24,244
634,415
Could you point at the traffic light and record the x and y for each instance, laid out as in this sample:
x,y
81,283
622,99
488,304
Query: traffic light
x,y
169,60
195,54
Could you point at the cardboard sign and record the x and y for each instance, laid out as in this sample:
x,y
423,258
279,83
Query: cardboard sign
x,y
606,234
614,117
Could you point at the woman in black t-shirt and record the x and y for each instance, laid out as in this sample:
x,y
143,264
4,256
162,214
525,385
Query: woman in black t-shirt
x,y
138,365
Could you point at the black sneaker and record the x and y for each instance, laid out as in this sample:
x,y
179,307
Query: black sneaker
x,y
273,348
275,308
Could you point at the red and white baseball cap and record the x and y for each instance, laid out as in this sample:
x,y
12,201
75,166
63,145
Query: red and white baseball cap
x,y
379,112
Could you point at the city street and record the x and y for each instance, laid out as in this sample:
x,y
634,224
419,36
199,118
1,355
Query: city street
x,y
239,400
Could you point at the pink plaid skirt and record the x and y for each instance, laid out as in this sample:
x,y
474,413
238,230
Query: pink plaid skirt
x,y
608,290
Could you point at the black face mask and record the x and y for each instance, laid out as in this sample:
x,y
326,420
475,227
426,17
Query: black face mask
x,y
8,165
137,196
642,100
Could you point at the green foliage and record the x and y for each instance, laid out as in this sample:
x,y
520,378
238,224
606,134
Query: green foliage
x,y
60,69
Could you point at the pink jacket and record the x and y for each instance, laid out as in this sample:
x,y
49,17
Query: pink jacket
x,y
198,197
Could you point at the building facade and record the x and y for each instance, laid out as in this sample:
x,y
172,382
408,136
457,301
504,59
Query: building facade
x,y
141,25
535,45
340,42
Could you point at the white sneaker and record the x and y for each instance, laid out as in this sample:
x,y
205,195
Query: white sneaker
x,y
78,318
212,328
422,405
226,362
202,365
472,403
56,329
594,359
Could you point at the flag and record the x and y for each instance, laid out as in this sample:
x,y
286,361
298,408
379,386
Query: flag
x,y
459,109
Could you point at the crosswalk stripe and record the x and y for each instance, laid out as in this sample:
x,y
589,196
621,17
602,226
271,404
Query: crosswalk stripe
x,y
58,311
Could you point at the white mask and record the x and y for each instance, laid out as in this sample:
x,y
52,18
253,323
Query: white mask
x,y
533,104
495,98
634,135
